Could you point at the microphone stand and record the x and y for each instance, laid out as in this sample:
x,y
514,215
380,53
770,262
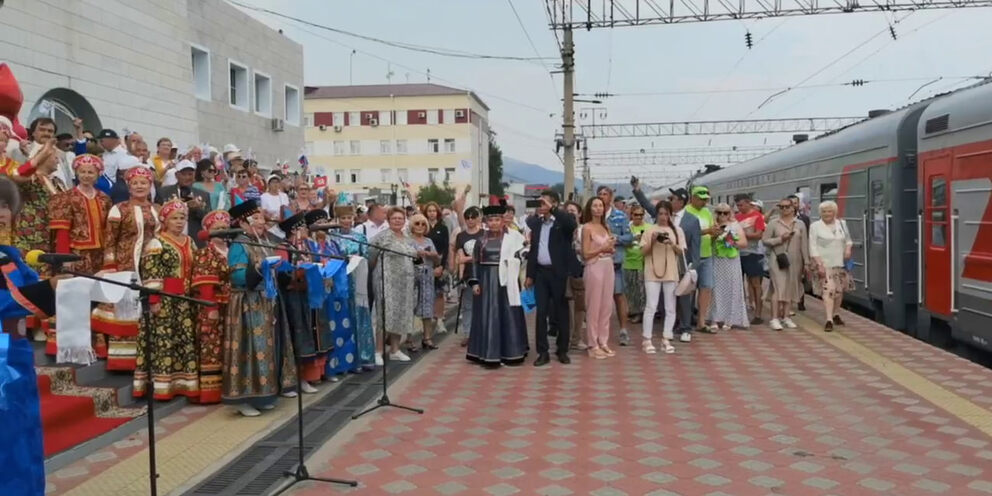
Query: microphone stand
x,y
144,292
384,399
301,473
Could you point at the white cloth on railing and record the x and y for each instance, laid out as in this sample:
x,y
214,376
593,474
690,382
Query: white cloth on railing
x,y
72,309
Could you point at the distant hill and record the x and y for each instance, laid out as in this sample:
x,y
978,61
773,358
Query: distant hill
x,y
518,171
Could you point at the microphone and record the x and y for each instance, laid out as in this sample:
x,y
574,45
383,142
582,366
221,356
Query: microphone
x,y
38,257
323,227
226,233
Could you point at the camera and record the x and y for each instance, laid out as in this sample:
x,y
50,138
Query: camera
x,y
534,203
662,237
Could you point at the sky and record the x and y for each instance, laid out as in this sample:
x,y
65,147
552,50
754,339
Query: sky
x,y
638,63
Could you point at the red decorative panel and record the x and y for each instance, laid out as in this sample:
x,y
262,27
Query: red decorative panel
x,y
323,118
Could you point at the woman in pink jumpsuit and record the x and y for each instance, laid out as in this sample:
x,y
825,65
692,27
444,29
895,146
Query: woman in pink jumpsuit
x,y
598,246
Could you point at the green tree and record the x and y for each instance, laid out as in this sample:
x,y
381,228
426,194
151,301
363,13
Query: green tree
x,y
560,189
442,195
495,169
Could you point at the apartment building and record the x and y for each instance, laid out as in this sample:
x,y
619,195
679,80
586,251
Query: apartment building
x,y
369,138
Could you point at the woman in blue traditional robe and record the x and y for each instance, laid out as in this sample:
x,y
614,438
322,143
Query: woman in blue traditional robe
x,y
355,244
22,453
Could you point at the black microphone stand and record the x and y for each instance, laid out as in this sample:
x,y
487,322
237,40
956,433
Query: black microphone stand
x,y
301,473
144,292
384,399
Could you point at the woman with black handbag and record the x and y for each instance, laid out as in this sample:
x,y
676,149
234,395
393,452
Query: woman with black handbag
x,y
788,255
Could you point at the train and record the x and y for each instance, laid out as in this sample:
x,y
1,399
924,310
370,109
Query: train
x,y
914,187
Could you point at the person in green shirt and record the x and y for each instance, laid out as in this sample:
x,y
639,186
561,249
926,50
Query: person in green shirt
x,y
633,268
704,271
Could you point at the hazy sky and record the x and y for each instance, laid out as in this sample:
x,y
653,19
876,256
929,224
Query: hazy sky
x,y
525,103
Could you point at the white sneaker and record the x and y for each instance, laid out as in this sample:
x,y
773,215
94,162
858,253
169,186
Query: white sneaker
x,y
775,324
787,322
441,328
399,356
267,406
307,388
247,411
378,360
685,337
624,337
289,394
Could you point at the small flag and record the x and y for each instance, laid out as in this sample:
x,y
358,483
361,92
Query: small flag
x,y
320,182
304,164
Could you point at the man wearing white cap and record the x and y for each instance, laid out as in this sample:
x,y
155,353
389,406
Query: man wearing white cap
x,y
196,200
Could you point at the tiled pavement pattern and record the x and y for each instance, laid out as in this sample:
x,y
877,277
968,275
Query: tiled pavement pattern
x,y
740,413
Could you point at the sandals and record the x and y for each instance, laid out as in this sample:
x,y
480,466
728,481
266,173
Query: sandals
x,y
648,347
607,350
596,353
669,349
427,344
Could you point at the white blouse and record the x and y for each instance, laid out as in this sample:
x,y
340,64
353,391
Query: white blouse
x,y
829,241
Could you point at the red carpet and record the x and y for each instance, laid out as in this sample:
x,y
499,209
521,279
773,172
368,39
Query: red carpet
x,y
69,420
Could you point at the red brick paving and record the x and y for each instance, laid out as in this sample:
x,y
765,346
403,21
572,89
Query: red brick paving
x,y
739,413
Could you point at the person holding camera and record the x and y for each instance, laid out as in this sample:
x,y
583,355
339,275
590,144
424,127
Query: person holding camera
x,y
662,245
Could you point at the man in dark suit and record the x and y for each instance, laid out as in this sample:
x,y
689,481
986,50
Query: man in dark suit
x,y
197,201
549,263
690,227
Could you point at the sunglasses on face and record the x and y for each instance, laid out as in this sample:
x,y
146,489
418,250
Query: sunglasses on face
x,y
722,212
786,205
637,215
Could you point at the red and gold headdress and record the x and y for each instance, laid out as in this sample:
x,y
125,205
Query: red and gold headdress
x,y
88,159
172,206
214,218
136,172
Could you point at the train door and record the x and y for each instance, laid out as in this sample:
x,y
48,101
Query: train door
x,y
877,236
938,247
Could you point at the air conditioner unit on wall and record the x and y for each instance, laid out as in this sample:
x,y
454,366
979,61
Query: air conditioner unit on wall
x,y
373,122
337,129
460,114
323,127
278,125
421,115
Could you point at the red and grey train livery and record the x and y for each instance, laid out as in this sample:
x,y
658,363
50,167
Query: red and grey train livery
x,y
914,186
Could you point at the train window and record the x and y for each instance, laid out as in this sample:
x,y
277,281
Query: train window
x,y
938,211
878,211
828,191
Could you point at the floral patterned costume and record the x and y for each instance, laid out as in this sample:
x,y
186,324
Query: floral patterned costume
x,y
211,280
129,227
167,264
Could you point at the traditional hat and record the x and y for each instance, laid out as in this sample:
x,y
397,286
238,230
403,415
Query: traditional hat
x,y
344,211
316,215
88,159
172,206
295,222
214,218
492,210
136,172
243,210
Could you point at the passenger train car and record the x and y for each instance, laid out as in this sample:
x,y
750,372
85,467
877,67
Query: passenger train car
x,y
913,186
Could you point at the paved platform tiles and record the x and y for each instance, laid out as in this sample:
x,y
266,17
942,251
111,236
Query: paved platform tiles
x,y
865,410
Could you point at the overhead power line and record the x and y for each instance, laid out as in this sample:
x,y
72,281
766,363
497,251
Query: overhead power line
x,y
444,52
530,40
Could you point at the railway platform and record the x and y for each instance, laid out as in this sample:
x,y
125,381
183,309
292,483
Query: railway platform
x,y
863,410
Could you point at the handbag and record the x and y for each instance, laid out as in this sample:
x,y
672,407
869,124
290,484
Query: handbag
x,y
782,259
687,283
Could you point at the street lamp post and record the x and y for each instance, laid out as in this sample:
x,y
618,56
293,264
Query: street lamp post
x,y
393,189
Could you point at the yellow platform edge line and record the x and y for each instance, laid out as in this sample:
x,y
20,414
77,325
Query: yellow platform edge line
x,y
949,401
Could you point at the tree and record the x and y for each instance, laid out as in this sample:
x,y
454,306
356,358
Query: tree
x,y
560,189
495,169
442,195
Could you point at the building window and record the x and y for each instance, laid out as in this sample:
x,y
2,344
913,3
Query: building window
x,y
401,146
449,116
432,175
400,117
385,147
385,118
291,97
237,87
354,119
338,119
339,147
449,174
201,72
356,147
433,146
263,94
338,176
449,145
355,176
432,117
403,175
307,120
387,175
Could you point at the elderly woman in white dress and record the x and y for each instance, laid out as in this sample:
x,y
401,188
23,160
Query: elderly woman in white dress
x,y
829,248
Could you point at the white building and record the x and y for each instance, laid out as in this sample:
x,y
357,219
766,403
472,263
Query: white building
x,y
196,71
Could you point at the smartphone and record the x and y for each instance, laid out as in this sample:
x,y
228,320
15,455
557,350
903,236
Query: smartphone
x,y
634,180
534,203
